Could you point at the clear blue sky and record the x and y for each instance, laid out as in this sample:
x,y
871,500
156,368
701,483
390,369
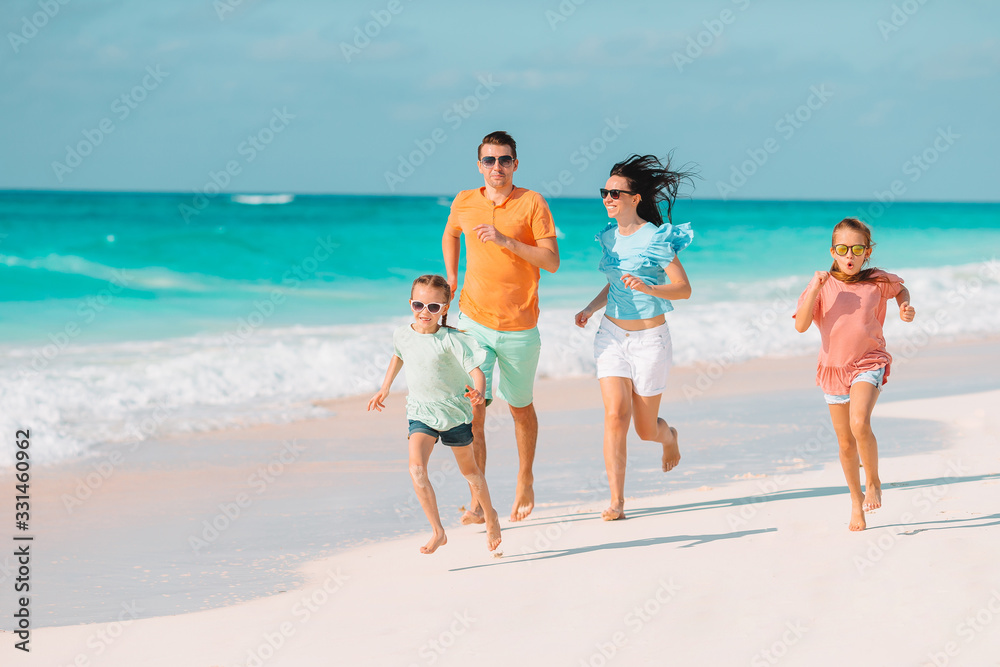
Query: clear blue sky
x,y
579,83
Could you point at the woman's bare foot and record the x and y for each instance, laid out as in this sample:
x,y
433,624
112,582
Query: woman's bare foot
x,y
873,497
493,531
857,518
671,452
437,540
473,516
613,513
524,502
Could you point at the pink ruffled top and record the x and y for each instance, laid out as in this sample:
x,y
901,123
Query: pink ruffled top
x,y
849,317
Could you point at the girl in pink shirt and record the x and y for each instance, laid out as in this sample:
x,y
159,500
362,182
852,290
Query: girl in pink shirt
x,y
848,304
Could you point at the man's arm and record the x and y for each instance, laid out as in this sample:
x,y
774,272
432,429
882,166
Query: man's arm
x,y
451,248
545,255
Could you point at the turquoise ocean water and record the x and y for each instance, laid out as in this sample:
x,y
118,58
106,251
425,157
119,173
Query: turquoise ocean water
x,y
129,315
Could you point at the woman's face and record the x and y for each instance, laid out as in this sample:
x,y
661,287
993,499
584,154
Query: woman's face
x,y
625,205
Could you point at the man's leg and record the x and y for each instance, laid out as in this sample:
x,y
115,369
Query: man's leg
x,y
517,359
526,433
475,513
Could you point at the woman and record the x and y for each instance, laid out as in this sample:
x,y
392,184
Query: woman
x,y
632,347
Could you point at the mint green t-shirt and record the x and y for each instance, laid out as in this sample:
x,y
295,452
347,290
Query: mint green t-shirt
x,y
437,369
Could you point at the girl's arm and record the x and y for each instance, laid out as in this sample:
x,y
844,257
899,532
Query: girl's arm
x,y
906,311
377,401
599,302
677,288
804,315
477,395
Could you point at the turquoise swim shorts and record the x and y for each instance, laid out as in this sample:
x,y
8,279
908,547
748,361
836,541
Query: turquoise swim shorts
x,y
515,352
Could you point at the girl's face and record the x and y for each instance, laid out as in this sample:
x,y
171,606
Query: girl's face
x,y
625,204
425,294
850,263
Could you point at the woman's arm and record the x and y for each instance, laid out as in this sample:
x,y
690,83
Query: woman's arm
x,y
678,288
599,302
804,315
377,401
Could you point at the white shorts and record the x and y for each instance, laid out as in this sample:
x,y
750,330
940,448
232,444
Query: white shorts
x,y
641,356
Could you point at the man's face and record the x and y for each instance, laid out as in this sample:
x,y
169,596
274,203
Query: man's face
x,y
496,175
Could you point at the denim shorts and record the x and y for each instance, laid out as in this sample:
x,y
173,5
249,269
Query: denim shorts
x,y
460,436
871,377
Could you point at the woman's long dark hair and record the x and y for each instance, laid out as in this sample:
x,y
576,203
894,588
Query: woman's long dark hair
x,y
656,182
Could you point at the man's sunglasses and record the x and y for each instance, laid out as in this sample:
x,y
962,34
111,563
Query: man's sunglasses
x,y
432,308
856,250
615,194
505,160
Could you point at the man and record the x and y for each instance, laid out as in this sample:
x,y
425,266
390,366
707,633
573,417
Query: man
x,y
509,235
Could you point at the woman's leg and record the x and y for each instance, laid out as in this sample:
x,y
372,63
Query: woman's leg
x,y
421,445
650,426
863,398
467,465
617,395
840,414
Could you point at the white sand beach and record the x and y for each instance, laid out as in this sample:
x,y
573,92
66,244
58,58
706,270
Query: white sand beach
x,y
740,556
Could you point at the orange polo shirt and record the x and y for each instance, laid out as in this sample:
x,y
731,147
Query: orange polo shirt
x,y
500,289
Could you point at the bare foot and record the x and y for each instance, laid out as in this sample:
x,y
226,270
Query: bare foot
x,y
473,516
671,453
435,542
493,532
613,513
524,502
857,518
873,497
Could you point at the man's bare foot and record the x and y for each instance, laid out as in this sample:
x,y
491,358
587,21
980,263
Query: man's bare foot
x,y
473,516
857,518
613,513
493,531
524,502
435,542
671,453
873,497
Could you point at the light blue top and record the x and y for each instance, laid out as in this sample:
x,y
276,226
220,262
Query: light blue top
x,y
644,254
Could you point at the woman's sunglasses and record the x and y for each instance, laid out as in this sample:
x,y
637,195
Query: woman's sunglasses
x,y
432,308
505,160
615,194
856,250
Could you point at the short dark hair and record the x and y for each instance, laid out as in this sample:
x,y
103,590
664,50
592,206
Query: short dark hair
x,y
498,138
